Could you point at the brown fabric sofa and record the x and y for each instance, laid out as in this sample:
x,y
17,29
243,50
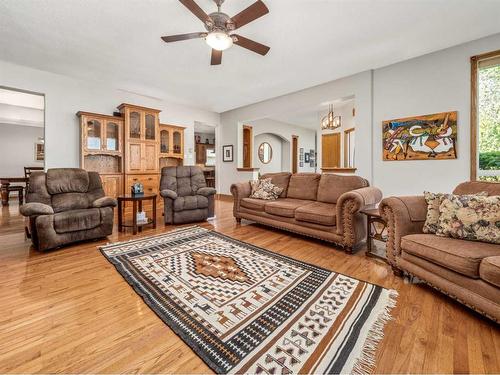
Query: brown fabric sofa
x,y
186,196
324,206
467,271
67,205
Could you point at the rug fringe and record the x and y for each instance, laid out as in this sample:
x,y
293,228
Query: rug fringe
x,y
365,364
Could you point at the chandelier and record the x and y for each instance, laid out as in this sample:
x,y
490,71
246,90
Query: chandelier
x,y
330,121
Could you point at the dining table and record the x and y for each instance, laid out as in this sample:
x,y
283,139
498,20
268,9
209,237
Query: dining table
x,y
5,183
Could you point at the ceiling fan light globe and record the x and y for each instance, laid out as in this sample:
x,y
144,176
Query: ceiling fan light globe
x,y
219,40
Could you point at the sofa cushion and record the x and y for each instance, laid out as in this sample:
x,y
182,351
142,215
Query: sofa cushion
x,y
317,212
470,217
67,180
284,206
190,202
280,179
458,255
76,220
332,186
70,201
303,186
489,270
265,189
253,203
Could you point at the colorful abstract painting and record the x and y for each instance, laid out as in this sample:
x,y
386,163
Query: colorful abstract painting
x,y
426,137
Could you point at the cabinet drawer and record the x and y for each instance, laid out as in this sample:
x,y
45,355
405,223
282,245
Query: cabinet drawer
x,y
151,183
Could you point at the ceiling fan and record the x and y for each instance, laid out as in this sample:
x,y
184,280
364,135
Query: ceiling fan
x,y
219,26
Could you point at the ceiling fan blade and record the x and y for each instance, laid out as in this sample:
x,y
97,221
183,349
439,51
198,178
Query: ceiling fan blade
x,y
251,45
196,10
216,57
179,37
254,11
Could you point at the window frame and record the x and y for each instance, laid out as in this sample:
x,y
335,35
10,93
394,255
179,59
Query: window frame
x,y
474,126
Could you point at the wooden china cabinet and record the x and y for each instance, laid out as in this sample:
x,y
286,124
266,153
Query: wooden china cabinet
x,y
171,145
130,148
141,149
101,149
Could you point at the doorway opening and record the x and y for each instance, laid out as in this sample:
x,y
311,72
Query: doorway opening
x,y
205,157
22,141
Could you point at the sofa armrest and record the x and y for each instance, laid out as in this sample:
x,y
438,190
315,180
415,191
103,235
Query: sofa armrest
x,y
35,208
206,191
104,202
239,191
403,215
349,221
167,193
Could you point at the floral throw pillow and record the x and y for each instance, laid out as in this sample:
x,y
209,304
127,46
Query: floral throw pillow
x,y
470,217
434,200
265,189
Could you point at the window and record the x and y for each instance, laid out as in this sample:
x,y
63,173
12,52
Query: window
x,y
485,117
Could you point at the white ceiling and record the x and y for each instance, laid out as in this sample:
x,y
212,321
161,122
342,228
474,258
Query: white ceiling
x,y
312,41
310,117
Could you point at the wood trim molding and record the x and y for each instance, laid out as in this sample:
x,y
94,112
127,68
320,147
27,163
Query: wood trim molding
x,y
339,170
474,63
346,133
91,114
247,169
138,107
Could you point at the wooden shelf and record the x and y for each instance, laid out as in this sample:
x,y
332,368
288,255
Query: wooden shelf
x,y
339,170
247,169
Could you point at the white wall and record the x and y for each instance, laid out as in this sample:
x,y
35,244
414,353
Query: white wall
x,y
17,148
286,131
436,82
358,85
65,96
276,143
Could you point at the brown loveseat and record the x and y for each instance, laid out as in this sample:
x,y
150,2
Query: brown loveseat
x,y
185,194
324,206
467,271
67,205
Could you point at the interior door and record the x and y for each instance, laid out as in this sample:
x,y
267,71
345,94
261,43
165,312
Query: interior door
x,y
295,145
330,150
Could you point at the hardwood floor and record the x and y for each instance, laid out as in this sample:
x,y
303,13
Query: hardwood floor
x,y
70,311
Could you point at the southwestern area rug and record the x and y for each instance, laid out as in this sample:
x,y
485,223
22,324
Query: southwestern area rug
x,y
244,309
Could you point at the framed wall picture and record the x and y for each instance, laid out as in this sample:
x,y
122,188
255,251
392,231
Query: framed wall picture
x,y
429,137
306,158
227,153
39,151
301,164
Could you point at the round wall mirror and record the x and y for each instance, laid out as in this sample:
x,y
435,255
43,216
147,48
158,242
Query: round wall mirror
x,y
265,152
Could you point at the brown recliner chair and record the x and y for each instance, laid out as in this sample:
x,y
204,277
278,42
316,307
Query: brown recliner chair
x,y
67,205
186,196
468,271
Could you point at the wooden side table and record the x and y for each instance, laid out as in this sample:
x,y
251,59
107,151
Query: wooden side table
x,y
136,206
375,230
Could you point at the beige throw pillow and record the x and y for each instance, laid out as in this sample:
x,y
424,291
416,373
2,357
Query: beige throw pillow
x,y
265,189
434,200
470,217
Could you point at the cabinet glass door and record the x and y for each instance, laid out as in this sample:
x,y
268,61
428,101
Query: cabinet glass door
x,y
112,136
150,127
177,139
164,142
94,135
135,125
